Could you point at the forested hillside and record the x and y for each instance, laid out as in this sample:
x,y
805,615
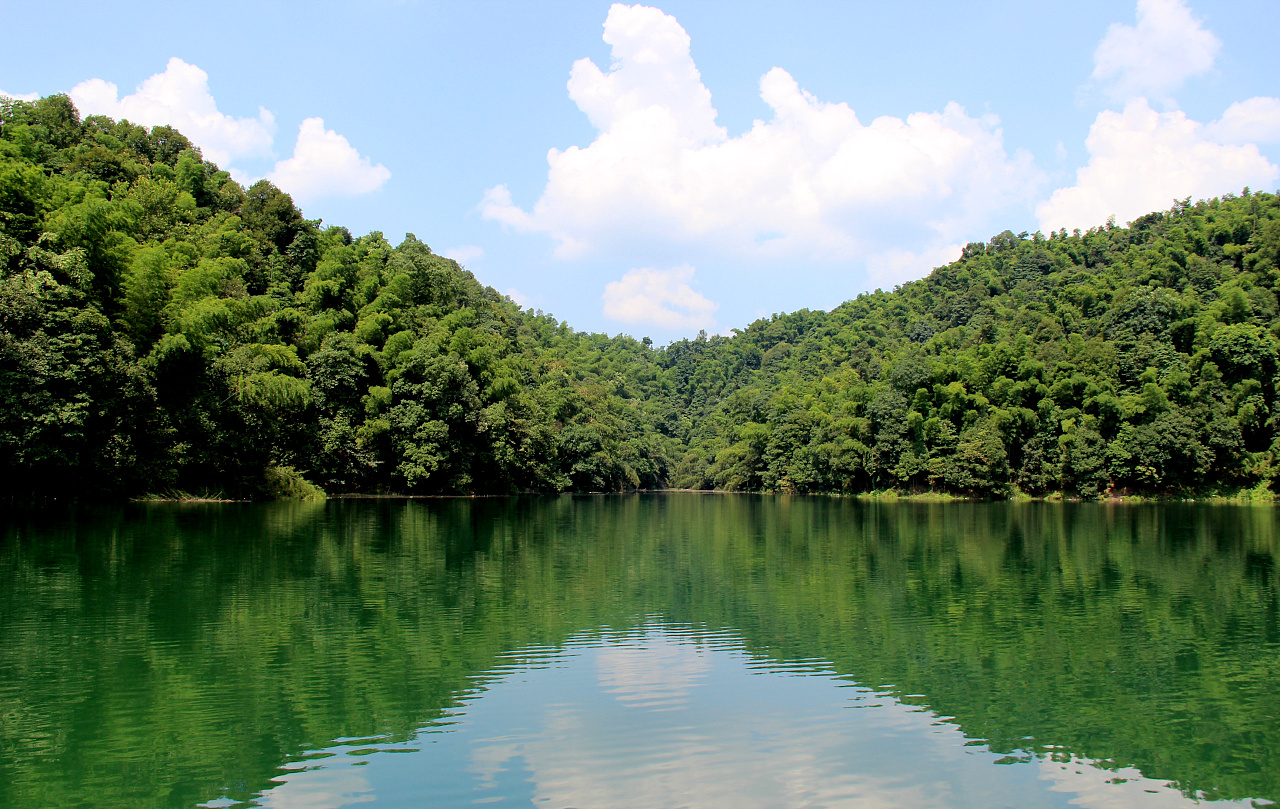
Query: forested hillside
x,y
163,330
1140,358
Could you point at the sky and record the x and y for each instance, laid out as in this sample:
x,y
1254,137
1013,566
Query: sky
x,y
692,165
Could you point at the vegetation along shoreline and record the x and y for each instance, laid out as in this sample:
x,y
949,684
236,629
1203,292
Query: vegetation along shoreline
x,y
163,329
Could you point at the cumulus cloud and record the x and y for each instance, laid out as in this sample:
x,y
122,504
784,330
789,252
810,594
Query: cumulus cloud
x,y
660,298
180,97
1256,120
325,164
1166,47
813,182
20,96
1140,160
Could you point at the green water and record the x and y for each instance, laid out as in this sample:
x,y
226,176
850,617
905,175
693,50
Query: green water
x,y
648,651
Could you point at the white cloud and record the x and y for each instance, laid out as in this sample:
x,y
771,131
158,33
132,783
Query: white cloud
x,y
519,298
1165,48
180,97
1141,160
893,267
660,298
20,96
811,183
325,164
465,253
1252,121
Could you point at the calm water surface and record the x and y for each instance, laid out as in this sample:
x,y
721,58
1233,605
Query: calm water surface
x,y
640,651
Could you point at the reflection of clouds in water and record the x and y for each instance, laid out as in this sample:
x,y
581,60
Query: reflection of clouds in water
x,y
655,673
763,766
743,740
766,767
318,789
1123,788
700,789
488,761
717,728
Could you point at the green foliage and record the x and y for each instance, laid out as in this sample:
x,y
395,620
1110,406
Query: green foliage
x,y
1117,360
163,328
285,483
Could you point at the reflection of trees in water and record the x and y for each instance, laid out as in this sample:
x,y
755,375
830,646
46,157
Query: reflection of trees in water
x,y
150,656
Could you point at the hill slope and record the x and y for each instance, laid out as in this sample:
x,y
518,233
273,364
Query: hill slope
x,y
1141,358
163,328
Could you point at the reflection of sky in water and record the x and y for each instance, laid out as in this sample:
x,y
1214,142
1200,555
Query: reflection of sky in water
x,y
667,717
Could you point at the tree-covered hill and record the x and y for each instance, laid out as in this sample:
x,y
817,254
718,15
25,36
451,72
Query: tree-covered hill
x,y
1140,358
164,329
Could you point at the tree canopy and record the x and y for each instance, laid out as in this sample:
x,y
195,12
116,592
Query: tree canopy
x,y
163,328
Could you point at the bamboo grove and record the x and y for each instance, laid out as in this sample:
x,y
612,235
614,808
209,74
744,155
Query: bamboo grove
x,y
165,330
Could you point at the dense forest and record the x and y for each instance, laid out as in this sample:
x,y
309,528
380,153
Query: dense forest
x,y
164,330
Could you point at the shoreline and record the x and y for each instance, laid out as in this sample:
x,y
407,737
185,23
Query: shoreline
x,y
1251,496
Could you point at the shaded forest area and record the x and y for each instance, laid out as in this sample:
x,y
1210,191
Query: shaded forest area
x,y
164,330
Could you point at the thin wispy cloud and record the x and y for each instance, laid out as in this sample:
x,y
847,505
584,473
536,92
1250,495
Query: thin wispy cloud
x,y
465,253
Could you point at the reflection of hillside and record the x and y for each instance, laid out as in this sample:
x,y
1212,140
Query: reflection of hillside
x,y
152,656
1146,636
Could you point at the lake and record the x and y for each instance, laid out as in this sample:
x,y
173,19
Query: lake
x,y
663,650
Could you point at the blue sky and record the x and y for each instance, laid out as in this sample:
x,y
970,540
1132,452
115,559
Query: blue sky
x,y
714,162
